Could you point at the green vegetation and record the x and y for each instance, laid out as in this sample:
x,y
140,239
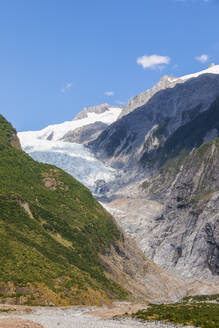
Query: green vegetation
x,y
201,315
6,133
51,233
201,298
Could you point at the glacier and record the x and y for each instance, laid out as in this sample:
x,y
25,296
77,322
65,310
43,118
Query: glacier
x,y
76,159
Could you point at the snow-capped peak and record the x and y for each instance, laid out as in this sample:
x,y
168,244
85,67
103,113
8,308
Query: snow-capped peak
x,y
57,131
213,69
165,82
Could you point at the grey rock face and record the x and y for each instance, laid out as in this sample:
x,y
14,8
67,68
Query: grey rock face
x,y
85,134
186,240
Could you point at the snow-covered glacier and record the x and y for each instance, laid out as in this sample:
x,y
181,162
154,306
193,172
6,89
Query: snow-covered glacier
x,y
58,131
76,159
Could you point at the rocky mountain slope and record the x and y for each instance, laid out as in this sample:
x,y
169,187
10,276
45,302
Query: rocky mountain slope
x,y
167,152
186,234
140,133
143,97
165,82
174,216
58,245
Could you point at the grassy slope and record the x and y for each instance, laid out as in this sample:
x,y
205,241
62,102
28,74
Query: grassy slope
x,y
51,232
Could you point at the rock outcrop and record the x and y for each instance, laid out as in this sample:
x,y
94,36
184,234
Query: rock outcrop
x,y
85,134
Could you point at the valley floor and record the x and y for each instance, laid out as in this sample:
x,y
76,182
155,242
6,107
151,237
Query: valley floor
x,y
73,317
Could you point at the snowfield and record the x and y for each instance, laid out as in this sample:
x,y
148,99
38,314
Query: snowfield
x,y
57,131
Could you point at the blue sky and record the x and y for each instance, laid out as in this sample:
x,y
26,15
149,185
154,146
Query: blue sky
x,y
58,56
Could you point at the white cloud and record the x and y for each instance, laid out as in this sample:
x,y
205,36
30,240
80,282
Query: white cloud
x,y
203,58
109,93
66,87
153,61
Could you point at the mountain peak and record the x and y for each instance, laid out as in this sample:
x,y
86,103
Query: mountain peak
x,y
99,109
164,83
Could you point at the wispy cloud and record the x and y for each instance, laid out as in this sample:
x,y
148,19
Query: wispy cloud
x,y
66,87
153,61
109,93
203,58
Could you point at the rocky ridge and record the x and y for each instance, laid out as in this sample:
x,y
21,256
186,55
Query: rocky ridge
x,y
143,97
167,153
165,82
145,129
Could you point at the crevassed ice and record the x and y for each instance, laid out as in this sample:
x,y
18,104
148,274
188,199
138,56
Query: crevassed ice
x,y
73,158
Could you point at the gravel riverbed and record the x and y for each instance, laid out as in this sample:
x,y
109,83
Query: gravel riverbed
x,y
77,318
